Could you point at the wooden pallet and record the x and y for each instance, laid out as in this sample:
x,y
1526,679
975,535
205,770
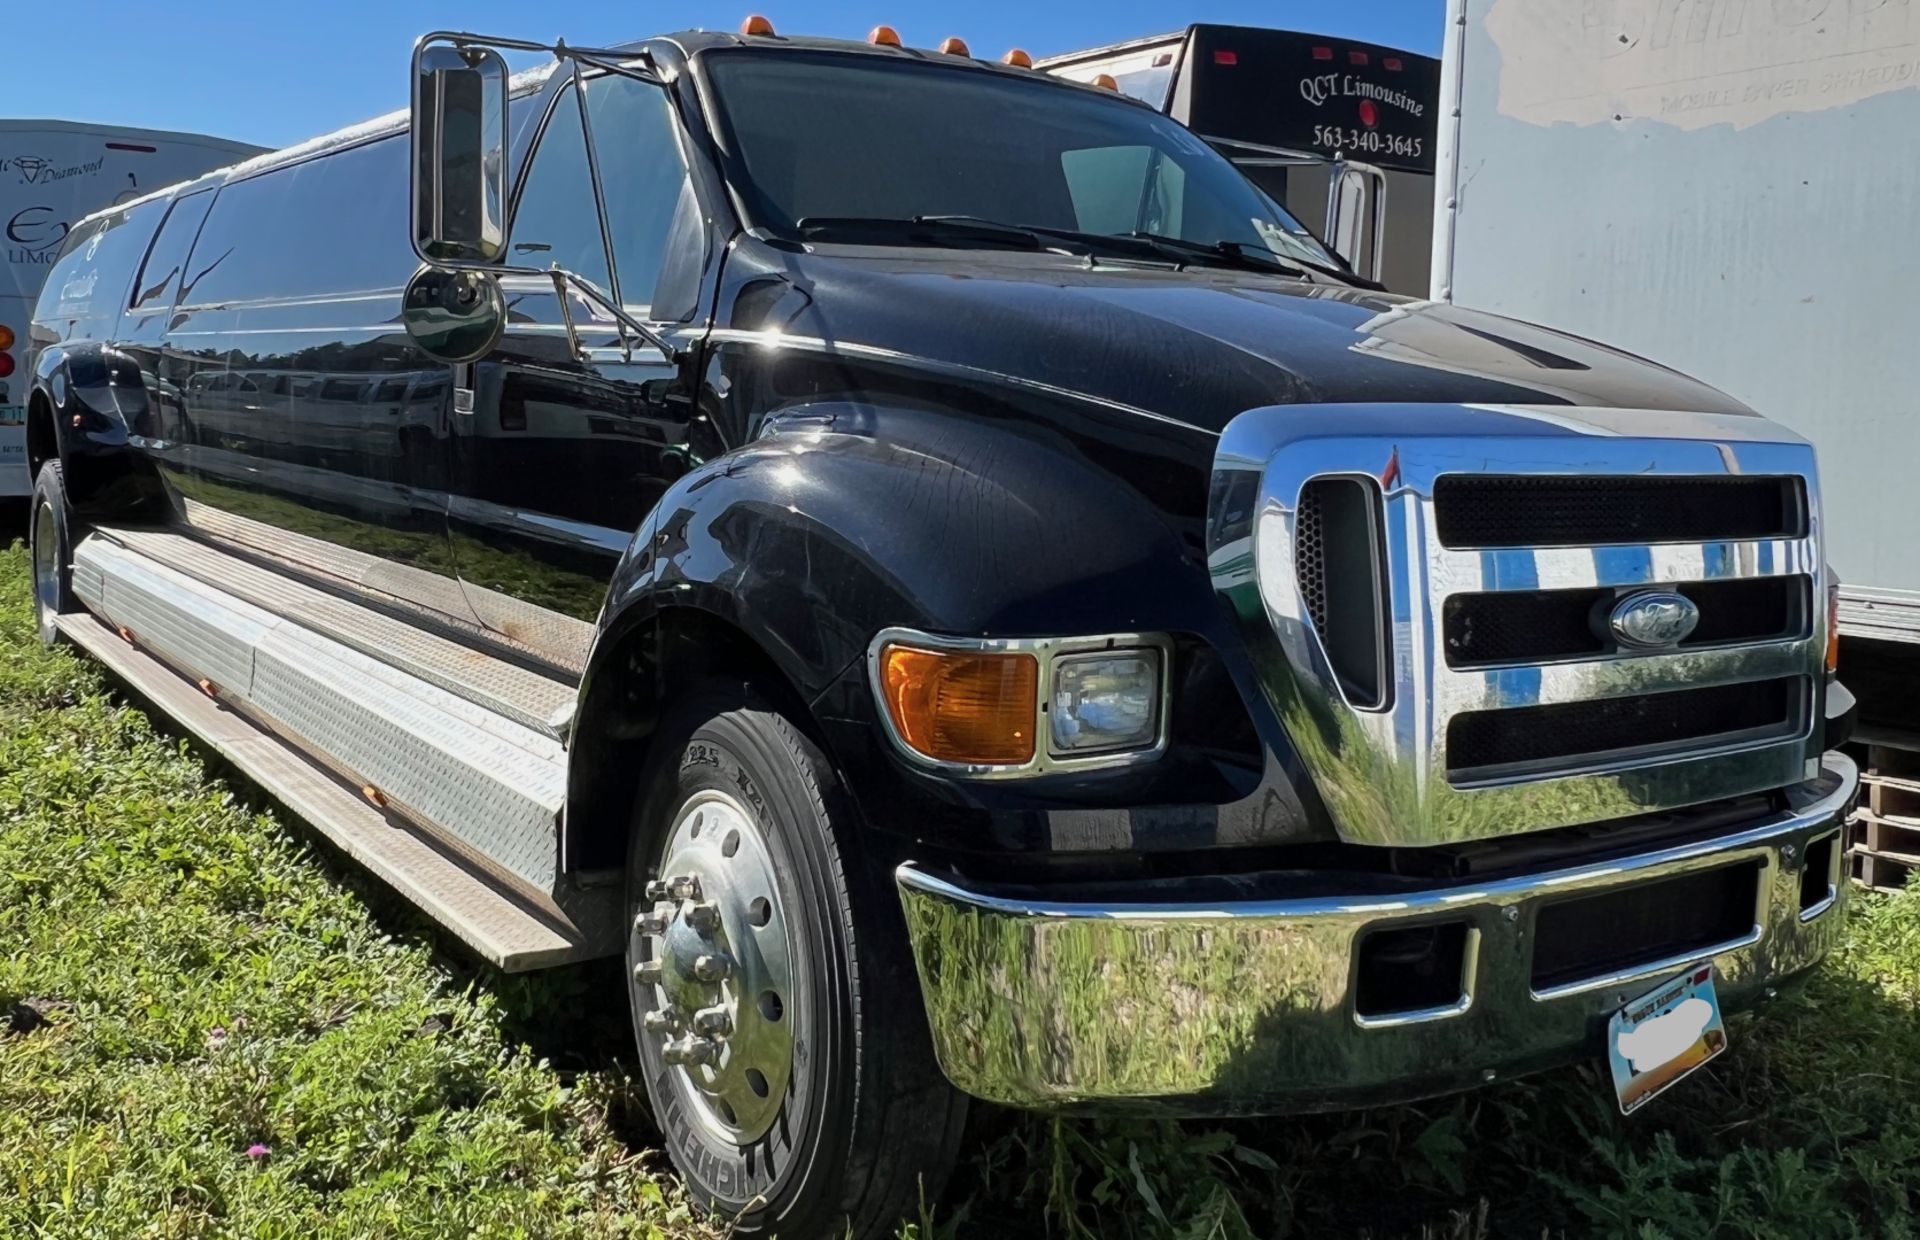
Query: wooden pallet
x,y
1883,836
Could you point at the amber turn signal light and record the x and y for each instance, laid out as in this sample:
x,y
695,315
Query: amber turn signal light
x,y
964,706
1833,629
6,336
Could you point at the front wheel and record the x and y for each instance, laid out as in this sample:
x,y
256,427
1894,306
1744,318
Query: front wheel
x,y
49,534
780,1031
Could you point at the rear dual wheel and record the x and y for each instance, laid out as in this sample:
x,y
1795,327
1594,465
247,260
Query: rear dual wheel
x,y
779,1025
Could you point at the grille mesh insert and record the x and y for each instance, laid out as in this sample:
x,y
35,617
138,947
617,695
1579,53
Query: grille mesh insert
x,y
1533,626
1500,510
1639,924
1481,743
1310,555
1339,562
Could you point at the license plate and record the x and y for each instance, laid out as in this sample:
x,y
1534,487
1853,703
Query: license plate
x,y
1663,1035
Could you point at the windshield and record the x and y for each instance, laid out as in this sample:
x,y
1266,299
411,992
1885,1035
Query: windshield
x,y
824,135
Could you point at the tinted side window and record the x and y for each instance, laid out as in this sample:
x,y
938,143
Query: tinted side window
x,y
555,220
95,267
160,275
642,178
336,224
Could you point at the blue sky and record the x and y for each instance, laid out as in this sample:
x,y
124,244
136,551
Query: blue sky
x,y
274,72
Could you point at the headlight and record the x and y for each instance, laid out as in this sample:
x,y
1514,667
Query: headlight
x,y
1105,702
1008,708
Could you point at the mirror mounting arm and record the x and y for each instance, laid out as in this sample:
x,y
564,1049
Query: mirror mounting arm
x,y
562,278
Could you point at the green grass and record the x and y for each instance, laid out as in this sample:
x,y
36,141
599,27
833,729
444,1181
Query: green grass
x,y
184,976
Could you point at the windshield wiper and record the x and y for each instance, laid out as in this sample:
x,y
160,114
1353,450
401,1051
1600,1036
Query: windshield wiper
x,y
1262,259
920,229
938,229
933,229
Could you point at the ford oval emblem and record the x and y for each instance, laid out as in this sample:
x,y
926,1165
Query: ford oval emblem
x,y
1653,619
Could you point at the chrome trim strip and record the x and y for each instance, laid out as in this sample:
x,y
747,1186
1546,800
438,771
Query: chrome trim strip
x,y
1572,568
1046,650
1384,774
1589,679
1248,1007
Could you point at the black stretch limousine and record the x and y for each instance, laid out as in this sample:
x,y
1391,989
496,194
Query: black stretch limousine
x,y
957,586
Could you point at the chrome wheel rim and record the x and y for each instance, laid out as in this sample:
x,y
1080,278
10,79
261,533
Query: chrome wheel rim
x,y
714,970
46,565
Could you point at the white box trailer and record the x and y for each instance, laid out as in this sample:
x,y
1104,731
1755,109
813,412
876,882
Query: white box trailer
x,y
51,174
1727,187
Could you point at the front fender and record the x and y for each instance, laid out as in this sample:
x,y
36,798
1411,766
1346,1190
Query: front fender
x,y
92,397
839,521
843,519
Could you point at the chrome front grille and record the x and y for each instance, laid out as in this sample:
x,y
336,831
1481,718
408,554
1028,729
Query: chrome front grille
x,y
1510,707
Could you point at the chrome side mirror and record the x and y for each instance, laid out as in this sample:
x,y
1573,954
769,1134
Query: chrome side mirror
x,y
459,131
454,316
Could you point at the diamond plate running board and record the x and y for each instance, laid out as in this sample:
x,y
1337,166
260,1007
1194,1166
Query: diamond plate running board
x,y
503,928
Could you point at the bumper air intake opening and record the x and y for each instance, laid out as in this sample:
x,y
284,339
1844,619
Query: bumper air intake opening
x,y
1820,876
1410,970
1340,556
1630,928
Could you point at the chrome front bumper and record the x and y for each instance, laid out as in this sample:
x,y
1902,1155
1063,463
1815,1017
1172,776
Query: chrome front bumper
x,y
1249,1008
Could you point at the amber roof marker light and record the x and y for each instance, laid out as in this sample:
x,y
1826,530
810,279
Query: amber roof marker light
x,y
756,25
1018,58
952,46
884,36
1105,81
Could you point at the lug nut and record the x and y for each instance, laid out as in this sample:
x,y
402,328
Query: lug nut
x,y
657,890
703,917
713,1022
647,972
712,968
690,1051
654,924
661,1021
685,887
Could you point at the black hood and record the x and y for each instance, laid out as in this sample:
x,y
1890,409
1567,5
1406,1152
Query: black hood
x,y
1200,344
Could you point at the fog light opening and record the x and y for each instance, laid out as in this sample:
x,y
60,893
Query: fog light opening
x,y
1820,876
1414,972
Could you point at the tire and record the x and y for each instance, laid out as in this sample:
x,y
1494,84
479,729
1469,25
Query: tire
x,y
50,544
859,1125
